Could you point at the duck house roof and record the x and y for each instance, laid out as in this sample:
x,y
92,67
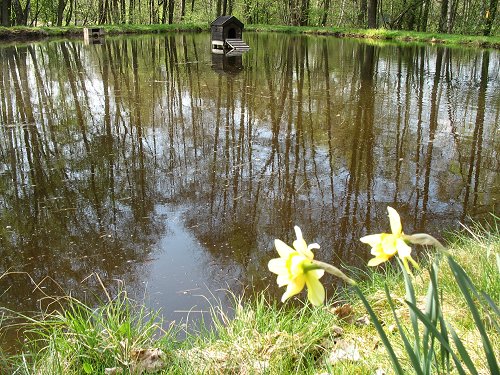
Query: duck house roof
x,y
224,20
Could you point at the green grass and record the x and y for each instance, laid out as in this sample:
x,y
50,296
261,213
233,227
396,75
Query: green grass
x,y
261,334
28,33
383,34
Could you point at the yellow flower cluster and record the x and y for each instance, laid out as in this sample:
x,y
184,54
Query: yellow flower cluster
x,y
296,267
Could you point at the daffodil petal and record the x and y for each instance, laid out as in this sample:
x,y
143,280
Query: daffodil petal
x,y
282,280
316,273
376,261
298,232
294,287
283,249
377,250
315,290
301,246
395,220
372,239
313,246
403,249
277,266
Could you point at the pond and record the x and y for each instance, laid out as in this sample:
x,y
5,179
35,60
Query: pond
x,y
149,162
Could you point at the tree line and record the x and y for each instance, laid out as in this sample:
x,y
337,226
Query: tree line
x,y
445,16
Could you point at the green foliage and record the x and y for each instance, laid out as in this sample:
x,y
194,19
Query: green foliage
x,y
78,338
430,350
460,16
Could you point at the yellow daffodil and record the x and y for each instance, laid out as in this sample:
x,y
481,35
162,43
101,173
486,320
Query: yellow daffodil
x,y
295,269
386,245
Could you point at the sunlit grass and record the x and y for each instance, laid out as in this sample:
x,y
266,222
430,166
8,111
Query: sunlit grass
x,y
77,338
261,335
387,35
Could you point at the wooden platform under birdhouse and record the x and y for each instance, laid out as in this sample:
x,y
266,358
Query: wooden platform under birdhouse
x,y
237,45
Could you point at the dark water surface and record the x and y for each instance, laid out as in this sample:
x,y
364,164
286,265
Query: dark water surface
x,y
151,161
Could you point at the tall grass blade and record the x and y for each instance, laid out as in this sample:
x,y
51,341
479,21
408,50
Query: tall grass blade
x,y
410,296
437,334
494,307
445,355
395,362
427,339
414,357
463,352
464,284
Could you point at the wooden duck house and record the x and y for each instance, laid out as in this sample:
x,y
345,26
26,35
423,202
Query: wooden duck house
x,y
90,33
226,34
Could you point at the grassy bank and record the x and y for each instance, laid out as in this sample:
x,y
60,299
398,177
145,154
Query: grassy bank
x,y
34,33
383,34
30,33
263,335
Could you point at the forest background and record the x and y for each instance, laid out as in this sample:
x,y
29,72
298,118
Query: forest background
x,y
471,17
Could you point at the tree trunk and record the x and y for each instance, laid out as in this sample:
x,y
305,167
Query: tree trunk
x,y
170,12
326,9
34,19
131,6
115,14
224,7
293,13
164,12
122,11
372,14
425,15
218,9
70,12
183,9
27,11
362,12
304,13
60,11
192,6
444,16
452,14
21,15
5,11
102,11
490,17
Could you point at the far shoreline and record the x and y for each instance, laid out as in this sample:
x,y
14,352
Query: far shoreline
x,y
27,34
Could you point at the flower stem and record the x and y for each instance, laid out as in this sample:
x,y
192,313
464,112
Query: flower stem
x,y
426,240
333,271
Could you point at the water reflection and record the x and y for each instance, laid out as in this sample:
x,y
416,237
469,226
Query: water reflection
x,y
138,160
223,63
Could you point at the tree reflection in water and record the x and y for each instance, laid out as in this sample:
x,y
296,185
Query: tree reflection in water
x,y
136,160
